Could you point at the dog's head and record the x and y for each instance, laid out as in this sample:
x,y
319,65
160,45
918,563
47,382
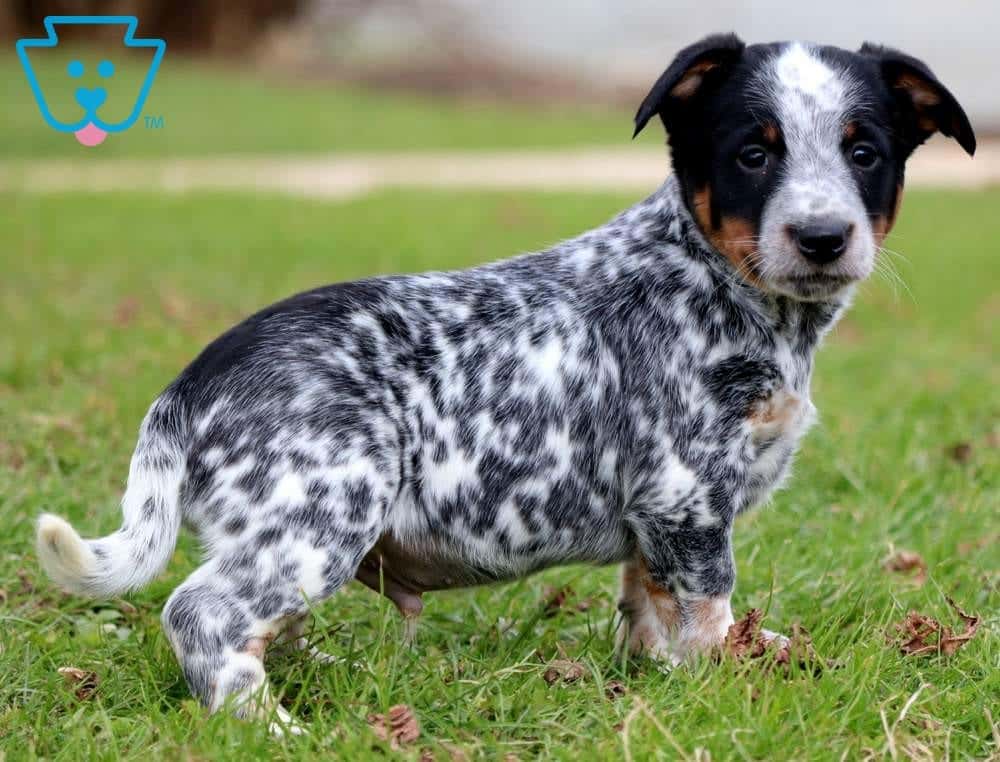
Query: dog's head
x,y
791,156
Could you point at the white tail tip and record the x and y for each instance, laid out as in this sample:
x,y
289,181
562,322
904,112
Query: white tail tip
x,y
64,555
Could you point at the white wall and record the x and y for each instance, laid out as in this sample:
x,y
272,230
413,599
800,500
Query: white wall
x,y
633,40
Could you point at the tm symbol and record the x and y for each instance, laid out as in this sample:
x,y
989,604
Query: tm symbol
x,y
154,123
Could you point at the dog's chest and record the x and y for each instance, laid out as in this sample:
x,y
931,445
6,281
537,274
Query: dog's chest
x,y
775,424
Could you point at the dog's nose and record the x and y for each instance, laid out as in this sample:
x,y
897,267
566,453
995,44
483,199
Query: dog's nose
x,y
91,99
822,241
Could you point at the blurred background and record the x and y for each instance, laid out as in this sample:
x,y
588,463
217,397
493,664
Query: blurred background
x,y
295,76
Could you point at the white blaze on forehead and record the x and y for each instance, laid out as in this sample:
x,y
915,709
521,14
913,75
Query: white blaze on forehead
x,y
799,72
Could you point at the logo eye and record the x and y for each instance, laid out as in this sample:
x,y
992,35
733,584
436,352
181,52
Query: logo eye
x,y
864,155
752,158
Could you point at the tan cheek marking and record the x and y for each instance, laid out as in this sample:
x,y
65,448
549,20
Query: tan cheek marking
x,y
735,237
882,224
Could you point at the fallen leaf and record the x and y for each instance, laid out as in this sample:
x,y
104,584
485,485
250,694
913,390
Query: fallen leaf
x,y
126,311
564,670
960,452
747,640
399,726
964,548
426,755
556,599
83,681
27,585
614,689
744,638
908,562
921,634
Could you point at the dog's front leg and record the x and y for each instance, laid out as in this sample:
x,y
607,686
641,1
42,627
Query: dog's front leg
x,y
676,590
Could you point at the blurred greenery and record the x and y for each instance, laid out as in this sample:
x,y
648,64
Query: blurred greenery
x,y
106,297
215,109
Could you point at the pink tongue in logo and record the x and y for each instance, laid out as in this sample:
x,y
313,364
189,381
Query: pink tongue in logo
x,y
91,135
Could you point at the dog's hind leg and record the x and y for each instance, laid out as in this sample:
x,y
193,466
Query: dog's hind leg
x,y
222,618
220,645
295,634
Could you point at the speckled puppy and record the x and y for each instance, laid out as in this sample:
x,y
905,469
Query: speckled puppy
x,y
620,397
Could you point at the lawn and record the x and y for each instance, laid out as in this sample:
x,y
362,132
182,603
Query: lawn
x,y
104,299
210,110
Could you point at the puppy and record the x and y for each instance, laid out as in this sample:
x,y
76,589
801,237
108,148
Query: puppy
x,y
619,398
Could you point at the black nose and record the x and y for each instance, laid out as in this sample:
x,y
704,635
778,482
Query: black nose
x,y
822,241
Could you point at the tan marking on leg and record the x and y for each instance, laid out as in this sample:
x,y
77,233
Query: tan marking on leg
x,y
705,622
652,613
257,646
778,413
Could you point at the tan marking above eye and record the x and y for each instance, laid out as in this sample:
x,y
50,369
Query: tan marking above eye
x,y
850,130
772,133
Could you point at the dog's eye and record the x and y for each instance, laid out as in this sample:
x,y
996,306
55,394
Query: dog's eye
x,y
752,158
864,155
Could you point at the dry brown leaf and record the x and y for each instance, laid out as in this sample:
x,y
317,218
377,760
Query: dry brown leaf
x,y
744,638
83,681
614,689
399,726
426,755
921,634
907,562
964,548
564,670
557,598
960,452
126,311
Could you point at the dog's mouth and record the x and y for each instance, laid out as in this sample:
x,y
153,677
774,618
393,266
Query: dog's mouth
x,y
90,135
814,287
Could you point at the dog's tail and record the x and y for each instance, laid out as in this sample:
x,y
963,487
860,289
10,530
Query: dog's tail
x,y
129,558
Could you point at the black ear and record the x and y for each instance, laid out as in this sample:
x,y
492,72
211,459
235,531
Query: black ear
x,y
925,105
693,68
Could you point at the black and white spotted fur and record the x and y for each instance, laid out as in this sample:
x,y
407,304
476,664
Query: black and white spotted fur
x,y
620,397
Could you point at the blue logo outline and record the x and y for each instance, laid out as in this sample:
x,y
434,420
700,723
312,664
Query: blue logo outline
x,y
90,115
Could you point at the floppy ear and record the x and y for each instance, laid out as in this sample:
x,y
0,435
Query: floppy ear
x,y
694,69
925,105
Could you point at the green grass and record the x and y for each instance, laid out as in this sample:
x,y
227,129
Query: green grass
x,y
210,110
105,298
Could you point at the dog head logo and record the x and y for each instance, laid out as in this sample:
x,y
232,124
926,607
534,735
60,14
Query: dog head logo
x,y
90,98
